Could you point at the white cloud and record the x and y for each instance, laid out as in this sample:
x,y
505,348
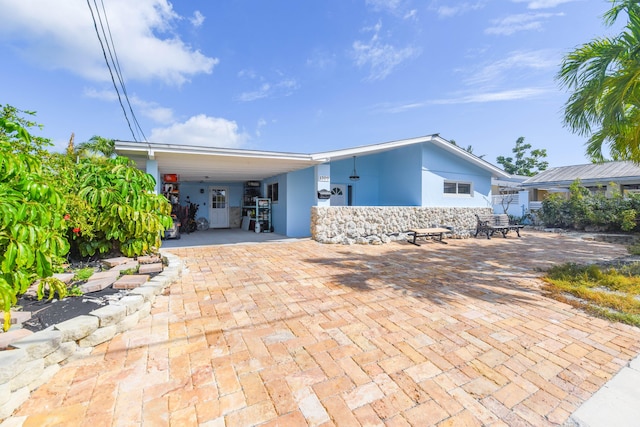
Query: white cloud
x,y
283,86
381,58
448,11
203,131
543,4
389,5
148,109
197,19
470,98
495,72
520,22
61,35
504,95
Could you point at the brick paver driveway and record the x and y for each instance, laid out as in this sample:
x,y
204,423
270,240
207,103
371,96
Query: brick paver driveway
x,y
294,334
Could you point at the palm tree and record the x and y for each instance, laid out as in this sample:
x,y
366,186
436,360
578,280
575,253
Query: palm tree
x,y
604,75
98,146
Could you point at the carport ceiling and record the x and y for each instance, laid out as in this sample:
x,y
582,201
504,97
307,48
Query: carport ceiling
x,y
195,164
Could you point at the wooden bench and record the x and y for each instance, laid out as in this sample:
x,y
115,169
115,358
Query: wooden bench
x,y
489,224
428,232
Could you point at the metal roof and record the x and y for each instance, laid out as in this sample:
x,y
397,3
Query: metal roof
x,y
193,163
596,173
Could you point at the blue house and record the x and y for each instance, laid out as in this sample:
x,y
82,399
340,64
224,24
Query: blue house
x,y
411,176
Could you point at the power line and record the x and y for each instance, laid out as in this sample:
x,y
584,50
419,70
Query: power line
x,y
116,66
119,70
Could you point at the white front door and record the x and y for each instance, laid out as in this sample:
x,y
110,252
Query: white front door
x,y
218,207
338,195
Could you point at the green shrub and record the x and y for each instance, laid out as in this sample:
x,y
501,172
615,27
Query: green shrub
x,y
128,215
31,216
613,212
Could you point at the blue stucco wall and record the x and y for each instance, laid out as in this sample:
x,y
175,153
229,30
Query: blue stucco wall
x,y
400,173
439,165
192,189
300,196
279,208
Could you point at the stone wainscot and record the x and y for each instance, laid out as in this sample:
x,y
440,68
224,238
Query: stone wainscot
x,y
383,224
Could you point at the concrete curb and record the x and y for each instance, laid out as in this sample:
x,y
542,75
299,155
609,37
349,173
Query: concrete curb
x,y
37,357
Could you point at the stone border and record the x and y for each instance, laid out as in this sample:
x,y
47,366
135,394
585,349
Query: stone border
x,y
37,357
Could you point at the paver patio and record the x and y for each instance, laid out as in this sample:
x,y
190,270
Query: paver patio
x,y
295,334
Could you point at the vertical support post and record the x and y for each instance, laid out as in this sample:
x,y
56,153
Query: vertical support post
x,y
152,169
323,182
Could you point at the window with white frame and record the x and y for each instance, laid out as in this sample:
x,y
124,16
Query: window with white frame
x,y
457,187
272,192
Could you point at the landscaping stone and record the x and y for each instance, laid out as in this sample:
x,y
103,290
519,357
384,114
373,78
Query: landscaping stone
x,y
131,302
32,370
99,284
112,262
9,337
77,328
131,265
104,275
18,317
64,277
17,398
145,310
146,292
11,364
149,259
109,314
130,281
65,350
128,322
39,344
150,268
5,393
99,336
47,374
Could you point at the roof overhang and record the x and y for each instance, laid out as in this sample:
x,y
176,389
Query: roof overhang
x,y
195,164
436,139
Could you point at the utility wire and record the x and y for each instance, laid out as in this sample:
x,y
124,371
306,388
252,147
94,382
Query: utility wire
x,y
116,62
124,111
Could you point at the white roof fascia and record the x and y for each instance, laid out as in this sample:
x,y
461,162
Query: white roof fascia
x,y
152,149
368,149
460,152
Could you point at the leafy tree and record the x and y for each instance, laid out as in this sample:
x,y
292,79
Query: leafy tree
x,y
31,216
97,146
469,148
604,75
128,215
527,163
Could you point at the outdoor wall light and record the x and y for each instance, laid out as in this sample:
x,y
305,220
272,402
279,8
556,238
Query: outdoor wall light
x,y
354,175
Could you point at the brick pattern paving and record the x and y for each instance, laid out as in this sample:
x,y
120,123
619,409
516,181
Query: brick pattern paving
x,y
296,334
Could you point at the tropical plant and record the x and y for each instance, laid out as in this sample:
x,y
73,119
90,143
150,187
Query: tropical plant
x,y
31,215
604,75
129,216
613,211
527,163
97,146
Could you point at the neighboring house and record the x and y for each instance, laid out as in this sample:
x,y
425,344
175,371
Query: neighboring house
x,y
421,172
508,196
607,178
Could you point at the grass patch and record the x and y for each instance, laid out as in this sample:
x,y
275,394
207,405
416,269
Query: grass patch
x,y
607,292
83,274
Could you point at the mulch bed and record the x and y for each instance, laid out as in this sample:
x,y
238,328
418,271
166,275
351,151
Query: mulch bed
x,y
45,313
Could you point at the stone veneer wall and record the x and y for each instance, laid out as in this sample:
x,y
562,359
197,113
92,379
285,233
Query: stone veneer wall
x,y
382,224
33,360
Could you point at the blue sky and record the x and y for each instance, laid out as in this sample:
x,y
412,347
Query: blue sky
x,y
302,76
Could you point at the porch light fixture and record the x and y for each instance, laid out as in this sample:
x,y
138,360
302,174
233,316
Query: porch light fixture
x,y
354,175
